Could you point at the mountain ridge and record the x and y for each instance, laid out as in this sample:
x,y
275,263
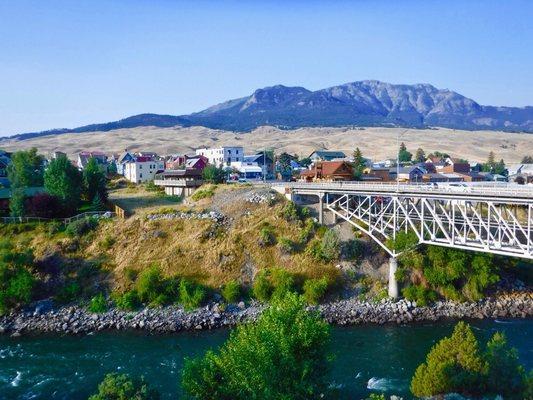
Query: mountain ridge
x,y
360,103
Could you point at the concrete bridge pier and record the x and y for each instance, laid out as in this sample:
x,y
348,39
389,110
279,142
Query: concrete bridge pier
x,y
321,208
393,283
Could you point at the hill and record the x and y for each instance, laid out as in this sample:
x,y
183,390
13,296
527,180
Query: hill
x,y
377,143
363,103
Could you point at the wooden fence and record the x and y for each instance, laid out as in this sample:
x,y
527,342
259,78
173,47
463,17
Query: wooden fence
x,y
21,220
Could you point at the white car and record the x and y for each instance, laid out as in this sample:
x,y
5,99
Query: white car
x,y
459,187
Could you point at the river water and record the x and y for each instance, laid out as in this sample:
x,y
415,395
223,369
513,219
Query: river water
x,y
367,358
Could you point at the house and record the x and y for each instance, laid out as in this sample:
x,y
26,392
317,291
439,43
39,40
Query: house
x,y
407,174
175,161
490,177
326,155
84,156
121,161
179,182
328,171
437,162
456,165
142,169
262,159
376,174
196,162
438,177
5,160
472,177
247,170
520,173
223,155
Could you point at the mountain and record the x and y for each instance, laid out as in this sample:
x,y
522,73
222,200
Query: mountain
x,y
363,103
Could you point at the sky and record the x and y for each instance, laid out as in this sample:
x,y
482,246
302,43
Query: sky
x,y
72,63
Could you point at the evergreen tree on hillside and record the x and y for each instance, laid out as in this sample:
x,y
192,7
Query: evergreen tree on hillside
x,y
420,155
359,164
94,182
404,155
527,160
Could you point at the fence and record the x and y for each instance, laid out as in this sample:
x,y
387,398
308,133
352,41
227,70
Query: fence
x,y
22,220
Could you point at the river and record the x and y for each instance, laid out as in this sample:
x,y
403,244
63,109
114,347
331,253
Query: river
x,y
382,358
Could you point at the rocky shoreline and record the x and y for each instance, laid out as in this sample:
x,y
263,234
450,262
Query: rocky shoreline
x,y
77,320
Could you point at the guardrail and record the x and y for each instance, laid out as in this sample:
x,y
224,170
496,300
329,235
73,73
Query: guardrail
x,y
88,214
443,188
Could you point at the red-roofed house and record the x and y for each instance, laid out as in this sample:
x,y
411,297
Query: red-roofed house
x,y
328,171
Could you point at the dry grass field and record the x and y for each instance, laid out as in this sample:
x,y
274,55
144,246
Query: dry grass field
x,y
376,143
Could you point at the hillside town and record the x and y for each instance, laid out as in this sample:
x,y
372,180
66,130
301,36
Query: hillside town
x,y
181,174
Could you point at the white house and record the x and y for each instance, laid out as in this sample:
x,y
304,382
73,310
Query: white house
x,y
142,169
223,155
247,169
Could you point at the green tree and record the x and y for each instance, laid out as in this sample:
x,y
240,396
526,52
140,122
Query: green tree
x,y
112,169
17,202
25,169
499,168
94,182
284,161
455,364
284,355
62,179
122,387
527,160
420,155
491,163
359,164
16,281
403,154
212,174
97,204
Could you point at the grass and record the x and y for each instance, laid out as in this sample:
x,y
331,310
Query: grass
x,y
138,200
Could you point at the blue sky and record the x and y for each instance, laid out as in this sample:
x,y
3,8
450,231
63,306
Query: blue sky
x,y
70,63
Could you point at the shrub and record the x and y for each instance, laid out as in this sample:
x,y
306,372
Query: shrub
x,y
81,226
191,294
284,355
266,236
45,205
315,289
286,245
212,174
282,281
307,231
69,292
122,387
231,291
327,249
352,249
128,301
107,242
204,192
420,294
152,187
150,285
262,288
292,212
54,227
98,304
16,286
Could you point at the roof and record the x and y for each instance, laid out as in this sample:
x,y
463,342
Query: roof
x,y
191,162
328,154
144,159
327,168
180,173
257,157
124,155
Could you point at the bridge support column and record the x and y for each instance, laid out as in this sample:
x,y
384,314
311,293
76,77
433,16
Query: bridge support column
x,y
321,208
393,284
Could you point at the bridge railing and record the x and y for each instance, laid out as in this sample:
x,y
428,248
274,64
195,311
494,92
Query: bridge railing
x,y
443,188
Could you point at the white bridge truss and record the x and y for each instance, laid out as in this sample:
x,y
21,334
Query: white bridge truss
x,y
496,220
481,225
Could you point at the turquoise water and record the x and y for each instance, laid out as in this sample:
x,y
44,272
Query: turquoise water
x,y
367,358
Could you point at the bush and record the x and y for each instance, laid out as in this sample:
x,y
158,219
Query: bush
x,y
307,231
327,249
98,304
352,249
191,294
457,365
231,291
420,294
45,205
81,226
16,286
282,281
122,387
286,245
212,174
284,355
266,236
150,286
69,292
204,192
315,289
292,212
107,242
262,288
127,301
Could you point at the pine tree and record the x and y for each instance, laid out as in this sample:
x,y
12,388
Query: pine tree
x,y
403,154
97,203
420,155
359,164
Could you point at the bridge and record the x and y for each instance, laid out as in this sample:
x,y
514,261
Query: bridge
x,y
495,219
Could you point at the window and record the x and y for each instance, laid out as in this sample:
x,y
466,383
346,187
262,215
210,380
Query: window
x,y
229,151
140,167
236,151
141,175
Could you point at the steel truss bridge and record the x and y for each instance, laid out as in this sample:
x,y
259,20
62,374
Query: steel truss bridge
x,y
493,219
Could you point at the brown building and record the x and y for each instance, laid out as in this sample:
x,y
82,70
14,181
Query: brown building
x,y
381,174
455,165
328,171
